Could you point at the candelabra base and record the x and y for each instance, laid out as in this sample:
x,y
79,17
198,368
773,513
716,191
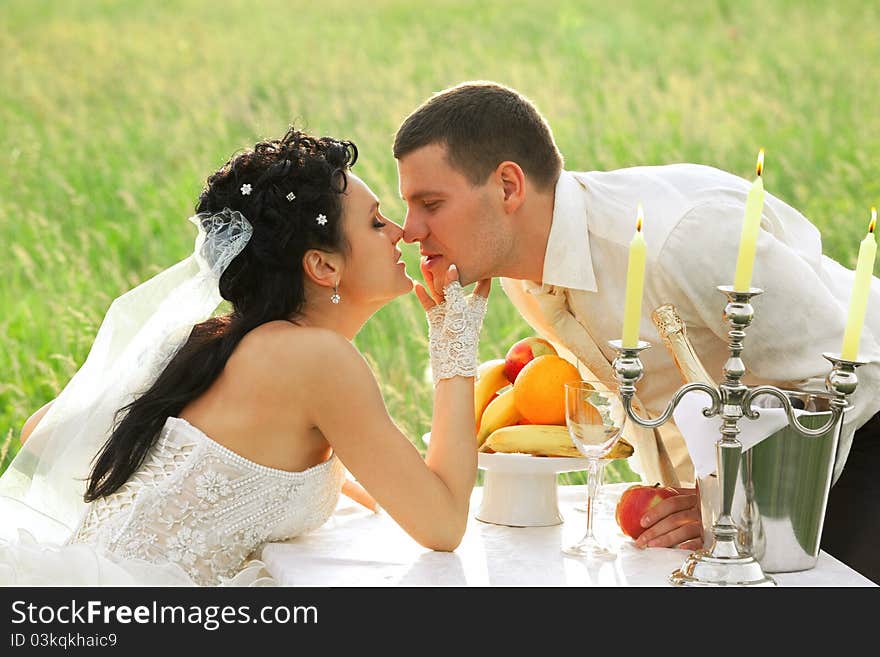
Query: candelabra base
x,y
722,565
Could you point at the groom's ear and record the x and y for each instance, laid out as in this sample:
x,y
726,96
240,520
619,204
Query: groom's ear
x,y
512,182
322,268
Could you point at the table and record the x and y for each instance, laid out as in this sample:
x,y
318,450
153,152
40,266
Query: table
x,y
359,548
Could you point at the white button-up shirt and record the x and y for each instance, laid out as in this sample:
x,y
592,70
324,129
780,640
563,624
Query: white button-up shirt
x,y
693,219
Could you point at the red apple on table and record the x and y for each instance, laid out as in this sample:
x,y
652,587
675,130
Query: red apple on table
x,y
522,353
635,502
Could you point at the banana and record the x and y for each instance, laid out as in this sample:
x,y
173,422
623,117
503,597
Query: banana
x,y
501,412
536,439
543,440
490,379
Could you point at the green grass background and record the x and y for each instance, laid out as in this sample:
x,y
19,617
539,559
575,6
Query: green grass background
x,y
112,114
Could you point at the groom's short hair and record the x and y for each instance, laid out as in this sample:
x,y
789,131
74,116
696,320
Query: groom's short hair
x,y
483,124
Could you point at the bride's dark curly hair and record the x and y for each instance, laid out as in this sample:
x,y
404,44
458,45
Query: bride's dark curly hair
x,y
265,282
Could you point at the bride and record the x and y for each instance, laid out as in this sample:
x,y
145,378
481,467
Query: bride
x,y
187,442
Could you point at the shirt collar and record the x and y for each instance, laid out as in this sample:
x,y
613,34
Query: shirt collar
x,y
567,262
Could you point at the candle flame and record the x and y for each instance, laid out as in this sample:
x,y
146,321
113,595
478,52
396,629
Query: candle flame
x,y
873,223
640,219
759,168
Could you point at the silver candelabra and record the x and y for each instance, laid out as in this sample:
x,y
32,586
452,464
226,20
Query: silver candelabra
x,y
727,562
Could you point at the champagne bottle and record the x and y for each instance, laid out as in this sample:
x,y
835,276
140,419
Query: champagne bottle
x,y
674,335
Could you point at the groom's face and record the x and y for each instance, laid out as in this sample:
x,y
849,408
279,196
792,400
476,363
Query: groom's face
x,y
454,221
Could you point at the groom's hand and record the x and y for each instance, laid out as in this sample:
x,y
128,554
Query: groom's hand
x,y
674,522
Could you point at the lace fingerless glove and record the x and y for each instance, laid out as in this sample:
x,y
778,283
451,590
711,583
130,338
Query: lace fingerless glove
x,y
454,333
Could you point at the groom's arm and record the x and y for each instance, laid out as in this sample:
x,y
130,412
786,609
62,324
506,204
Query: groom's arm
x,y
798,317
699,255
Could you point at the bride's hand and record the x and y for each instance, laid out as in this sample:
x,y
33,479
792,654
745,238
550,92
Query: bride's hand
x,y
454,323
435,297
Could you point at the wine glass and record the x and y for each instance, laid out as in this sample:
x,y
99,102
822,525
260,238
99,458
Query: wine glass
x,y
594,416
601,503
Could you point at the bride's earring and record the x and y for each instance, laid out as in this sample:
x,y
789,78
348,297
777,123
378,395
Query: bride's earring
x,y
335,298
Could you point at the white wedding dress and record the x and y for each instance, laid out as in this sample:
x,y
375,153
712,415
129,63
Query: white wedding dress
x,y
195,513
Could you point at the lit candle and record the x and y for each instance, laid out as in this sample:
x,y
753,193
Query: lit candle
x,y
635,283
748,239
858,302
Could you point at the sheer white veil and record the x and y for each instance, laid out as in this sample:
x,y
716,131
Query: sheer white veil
x,y
42,489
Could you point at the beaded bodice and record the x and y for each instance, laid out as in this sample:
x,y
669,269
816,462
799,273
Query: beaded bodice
x,y
205,508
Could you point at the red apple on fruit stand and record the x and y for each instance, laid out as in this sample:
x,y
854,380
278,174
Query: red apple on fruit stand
x,y
635,502
522,353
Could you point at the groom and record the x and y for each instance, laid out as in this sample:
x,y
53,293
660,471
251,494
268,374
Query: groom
x,y
485,188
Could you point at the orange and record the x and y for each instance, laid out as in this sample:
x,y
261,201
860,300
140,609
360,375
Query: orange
x,y
539,389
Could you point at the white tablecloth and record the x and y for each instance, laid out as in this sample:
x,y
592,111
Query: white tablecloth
x,y
359,548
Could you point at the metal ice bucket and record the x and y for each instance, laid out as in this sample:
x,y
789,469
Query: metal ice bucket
x,y
782,490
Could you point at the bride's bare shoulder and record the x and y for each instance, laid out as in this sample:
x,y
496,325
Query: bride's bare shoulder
x,y
282,347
